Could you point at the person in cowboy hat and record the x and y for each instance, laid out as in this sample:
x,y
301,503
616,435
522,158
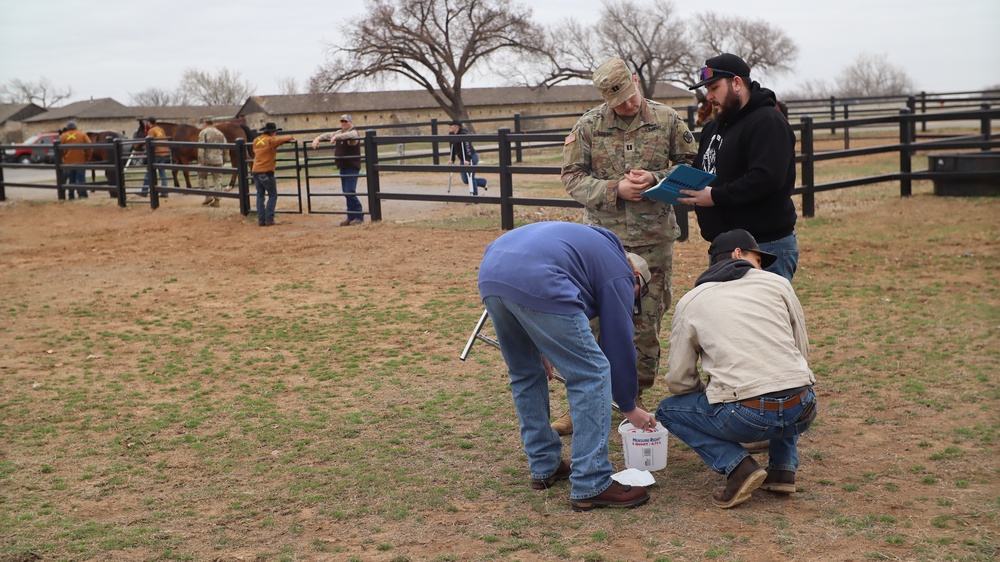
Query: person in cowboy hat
x,y
747,328
265,148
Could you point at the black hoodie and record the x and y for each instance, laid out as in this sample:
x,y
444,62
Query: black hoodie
x,y
753,155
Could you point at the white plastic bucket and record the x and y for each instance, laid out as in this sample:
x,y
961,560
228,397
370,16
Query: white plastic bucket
x,y
644,450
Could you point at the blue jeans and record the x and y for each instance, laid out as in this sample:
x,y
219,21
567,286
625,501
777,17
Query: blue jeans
x,y
77,177
566,340
787,250
715,431
161,171
349,184
265,182
476,182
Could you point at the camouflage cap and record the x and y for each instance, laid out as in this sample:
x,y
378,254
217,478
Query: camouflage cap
x,y
207,119
614,80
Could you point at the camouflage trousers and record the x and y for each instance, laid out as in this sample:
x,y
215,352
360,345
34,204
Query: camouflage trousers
x,y
660,259
216,176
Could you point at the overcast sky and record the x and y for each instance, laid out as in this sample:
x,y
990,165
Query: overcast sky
x,y
114,48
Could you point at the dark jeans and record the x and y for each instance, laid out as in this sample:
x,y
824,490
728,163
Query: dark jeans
x,y
476,182
349,184
265,183
162,172
77,177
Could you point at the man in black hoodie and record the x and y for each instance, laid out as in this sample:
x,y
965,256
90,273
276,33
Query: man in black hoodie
x,y
751,148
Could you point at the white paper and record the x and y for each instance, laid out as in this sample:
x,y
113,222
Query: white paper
x,y
634,477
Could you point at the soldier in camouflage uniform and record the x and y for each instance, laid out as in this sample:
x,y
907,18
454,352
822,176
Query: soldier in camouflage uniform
x,y
615,152
210,157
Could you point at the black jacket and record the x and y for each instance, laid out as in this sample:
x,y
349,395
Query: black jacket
x,y
753,155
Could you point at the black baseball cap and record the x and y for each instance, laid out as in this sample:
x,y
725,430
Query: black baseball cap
x,y
725,243
726,65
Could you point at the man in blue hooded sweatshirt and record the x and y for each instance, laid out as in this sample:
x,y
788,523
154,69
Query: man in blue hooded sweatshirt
x,y
542,283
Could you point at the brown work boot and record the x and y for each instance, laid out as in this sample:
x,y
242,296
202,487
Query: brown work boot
x,y
779,481
757,446
561,473
345,222
617,495
208,200
742,481
563,425
214,203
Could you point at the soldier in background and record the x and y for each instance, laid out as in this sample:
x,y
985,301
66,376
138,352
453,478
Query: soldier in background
x,y
615,152
214,157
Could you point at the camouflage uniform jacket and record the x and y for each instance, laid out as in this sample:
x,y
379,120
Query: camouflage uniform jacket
x,y
211,156
598,153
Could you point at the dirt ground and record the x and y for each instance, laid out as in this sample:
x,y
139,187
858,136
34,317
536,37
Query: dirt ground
x,y
861,495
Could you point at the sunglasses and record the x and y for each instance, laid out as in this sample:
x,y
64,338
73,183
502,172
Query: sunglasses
x,y
707,73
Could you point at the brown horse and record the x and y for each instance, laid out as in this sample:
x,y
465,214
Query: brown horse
x,y
103,155
184,156
232,130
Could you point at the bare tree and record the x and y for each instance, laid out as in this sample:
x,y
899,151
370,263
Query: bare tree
x,y
650,38
226,87
156,97
767,49
433,43
873,75
42,93
288,86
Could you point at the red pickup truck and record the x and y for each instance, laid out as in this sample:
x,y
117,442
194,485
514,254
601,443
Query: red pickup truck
x,y
37,148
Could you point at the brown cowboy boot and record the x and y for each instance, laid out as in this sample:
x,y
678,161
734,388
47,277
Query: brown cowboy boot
x,y
741,482
779,482
563,425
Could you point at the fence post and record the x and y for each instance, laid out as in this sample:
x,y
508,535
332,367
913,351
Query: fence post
x,y
517,129
154,196
371,171
506,181
847,129
984,125
241,176
923,111
119,171
808,169
436,146
60,174
833,114
905,167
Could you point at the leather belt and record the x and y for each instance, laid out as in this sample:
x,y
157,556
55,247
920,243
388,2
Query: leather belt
x,y
775,404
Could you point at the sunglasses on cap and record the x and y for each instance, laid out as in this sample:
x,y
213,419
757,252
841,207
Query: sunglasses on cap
x,y
707,73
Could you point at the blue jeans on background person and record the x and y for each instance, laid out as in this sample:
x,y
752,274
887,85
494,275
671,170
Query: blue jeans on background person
x,y
162,172
266,183
787,250
715,431
524,335
349,184
76,177
476,182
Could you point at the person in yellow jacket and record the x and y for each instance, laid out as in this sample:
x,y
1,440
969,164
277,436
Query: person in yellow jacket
x,y
161,154
265,149
72,135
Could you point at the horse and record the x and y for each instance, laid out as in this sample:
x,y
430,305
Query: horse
x,y
180,155
704,113
232,130
102,155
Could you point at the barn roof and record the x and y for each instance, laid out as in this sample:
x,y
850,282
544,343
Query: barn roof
x,y
337,102
18,111
108,108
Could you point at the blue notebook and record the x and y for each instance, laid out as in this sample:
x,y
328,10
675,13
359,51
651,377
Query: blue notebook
x,y
683,177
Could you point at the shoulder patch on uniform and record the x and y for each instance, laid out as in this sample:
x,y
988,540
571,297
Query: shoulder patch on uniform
x,y
570,138
688,137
